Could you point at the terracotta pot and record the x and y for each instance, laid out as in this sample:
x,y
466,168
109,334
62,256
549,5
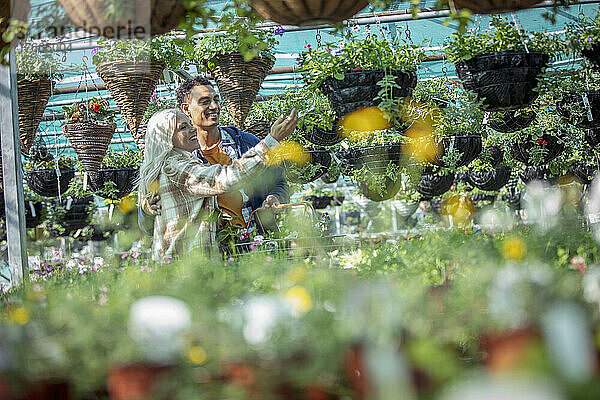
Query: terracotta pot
x,y
506,350
356,373
134,381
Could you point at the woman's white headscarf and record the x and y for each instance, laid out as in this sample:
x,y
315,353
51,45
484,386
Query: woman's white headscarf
x,y
158,144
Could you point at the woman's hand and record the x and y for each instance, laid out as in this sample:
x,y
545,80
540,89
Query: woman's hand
x,y
284,126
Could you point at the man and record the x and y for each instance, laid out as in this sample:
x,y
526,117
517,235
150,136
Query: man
x,y
198,99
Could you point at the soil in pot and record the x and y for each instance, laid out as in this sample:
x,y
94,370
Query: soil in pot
x,y
358,89
503,80
573,107
389,190
490,180
510,121
551,144
434,185
46,183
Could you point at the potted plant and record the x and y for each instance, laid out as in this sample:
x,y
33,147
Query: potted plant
x,y
314,163
131,70
118,173
89,125
490,180
48,175
239,66
501,65
35,74
584,37
584,172
431,186
356,73
511,121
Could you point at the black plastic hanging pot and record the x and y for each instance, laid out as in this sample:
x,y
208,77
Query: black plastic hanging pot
x,y
592,137
540,173
490,180
434,185
510,121
503,80
479,198
469,145
586,116
592,54
359,88
389,190
374,158
76,217
322,137
584,173
33,213
512,199
553,148
46,183
123,178
321,157
319,202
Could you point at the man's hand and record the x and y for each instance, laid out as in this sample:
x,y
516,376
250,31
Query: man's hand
x,y
154,205
284,126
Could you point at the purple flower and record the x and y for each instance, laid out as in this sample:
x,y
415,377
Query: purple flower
x,y
278,30
338,52
95,50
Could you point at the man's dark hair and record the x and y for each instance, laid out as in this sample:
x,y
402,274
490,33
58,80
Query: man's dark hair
x,y
186,87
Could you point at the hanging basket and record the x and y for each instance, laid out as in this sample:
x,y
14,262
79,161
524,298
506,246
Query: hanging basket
x,y
509,121
593,54
512,199
494,6
45,183
490,180
307,12
479,198
260,128
319,202
592,137
520,150
331,176
321,157
76,217
90,142
503,80
322,137
469,145
123,178
33,99
576,101
359,88
390,188
239,82
584,173
155,17
495,153
434,185
131,84
374,158
541,173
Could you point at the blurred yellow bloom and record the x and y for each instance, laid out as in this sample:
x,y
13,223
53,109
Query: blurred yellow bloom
x,y
126,205
288,150
19,316
297,274
299,299
422,145
154,187
514,249
460,208
363,122
196,355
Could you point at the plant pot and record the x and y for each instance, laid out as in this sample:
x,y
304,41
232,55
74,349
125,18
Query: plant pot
x,y
584,173
33,99
497,155
77,215
494,6
322,137
33,214
479,198
520,150
131,85
239,82
134,381
307,12
592,137
319,202
503,80
90,142
390,189
337,201
578,101
123,178
540,173
154,16
350,218
260,128
512,199
434,185
45,182
490,180
321,157
358,89
468,145
509,121
593,54
374,158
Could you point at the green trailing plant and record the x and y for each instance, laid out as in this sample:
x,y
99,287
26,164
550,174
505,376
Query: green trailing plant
x,y
157,104
166,49
33,64
127,157
502,36
584,33
94,110
59,160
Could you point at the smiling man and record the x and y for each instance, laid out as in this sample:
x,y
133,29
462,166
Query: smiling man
x,y
198,99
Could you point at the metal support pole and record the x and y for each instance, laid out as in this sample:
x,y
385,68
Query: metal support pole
x,y
11,173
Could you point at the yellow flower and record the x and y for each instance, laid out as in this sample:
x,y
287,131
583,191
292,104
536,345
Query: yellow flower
x,y
196,355
297,274
363,122
422,145
299,299
514,249
126,205
288,150
19,316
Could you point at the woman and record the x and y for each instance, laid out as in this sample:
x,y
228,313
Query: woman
x,y
187,187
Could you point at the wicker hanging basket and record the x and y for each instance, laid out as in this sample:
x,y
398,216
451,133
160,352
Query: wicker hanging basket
x,y
155,17
90,142
33,99
493,6
259,128
239,82
131,84
307,12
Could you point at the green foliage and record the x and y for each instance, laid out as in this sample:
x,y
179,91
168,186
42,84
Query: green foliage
x,y
127,157
94,110
61,160
157,104
166,49
502,36
351,53
583,33
33,64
